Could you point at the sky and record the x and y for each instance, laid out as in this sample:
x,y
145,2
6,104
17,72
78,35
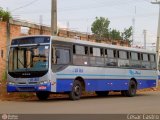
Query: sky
x,y
79,14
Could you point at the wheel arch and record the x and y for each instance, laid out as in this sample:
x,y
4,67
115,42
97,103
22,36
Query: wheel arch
x,y
81,80
133,79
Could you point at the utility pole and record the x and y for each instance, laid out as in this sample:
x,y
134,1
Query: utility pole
x,y
41,24
158,35
145,38
53,17
133,26
133,31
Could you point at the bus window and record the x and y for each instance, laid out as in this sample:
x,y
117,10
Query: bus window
x,y
152,58
80,57
145,61
61,56
134,56
79,50
110,53
123,60
145,57
96,52
135,61
122,54
97,58
111,59
153,61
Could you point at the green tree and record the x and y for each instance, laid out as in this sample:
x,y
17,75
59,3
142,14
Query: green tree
x,y
100,27
4,15
115,35
1,13
127,33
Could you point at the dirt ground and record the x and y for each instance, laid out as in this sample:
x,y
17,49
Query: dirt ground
x,y
4,96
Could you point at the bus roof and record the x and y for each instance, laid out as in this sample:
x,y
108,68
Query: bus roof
x,y
100,44
83,42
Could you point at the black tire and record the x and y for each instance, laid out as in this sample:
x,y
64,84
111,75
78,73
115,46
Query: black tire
x,y
76,92
102,93
42,95
131,92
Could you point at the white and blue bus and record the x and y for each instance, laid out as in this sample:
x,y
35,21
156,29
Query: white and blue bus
x,y
50,64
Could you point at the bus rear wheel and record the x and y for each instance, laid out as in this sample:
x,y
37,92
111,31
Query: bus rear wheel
x,y
102,93
42,95
131,92
76,92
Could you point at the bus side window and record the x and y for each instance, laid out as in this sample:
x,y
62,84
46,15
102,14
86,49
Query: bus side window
x,y
79,50
111,59
135,61
60,56
153,61
63,56
123,60
152,58
97,59
145,61
80,55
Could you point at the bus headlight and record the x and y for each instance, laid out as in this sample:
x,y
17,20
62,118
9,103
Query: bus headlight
x,y
11,83
43,82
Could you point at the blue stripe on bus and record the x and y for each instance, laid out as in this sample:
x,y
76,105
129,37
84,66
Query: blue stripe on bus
x,y
65,85
153,77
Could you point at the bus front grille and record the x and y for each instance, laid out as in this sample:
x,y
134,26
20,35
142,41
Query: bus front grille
x,y
26,89
33,83
22,83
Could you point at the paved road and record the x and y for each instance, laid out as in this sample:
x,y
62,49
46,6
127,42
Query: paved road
x,y
142,103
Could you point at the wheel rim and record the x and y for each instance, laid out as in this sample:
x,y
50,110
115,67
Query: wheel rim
x,y
133,89
77,90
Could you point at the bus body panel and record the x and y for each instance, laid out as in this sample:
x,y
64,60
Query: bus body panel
x,y
104,79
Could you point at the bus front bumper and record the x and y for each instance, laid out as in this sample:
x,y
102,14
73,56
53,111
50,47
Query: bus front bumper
x,y
29,88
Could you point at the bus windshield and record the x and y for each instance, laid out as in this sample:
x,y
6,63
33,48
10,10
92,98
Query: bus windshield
x,y
29,58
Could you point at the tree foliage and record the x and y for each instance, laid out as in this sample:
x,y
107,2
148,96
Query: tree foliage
x,y
4,15
100,28
127,33
115,35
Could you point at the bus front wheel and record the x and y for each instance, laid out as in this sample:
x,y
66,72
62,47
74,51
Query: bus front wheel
x,y
42,95
76,92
